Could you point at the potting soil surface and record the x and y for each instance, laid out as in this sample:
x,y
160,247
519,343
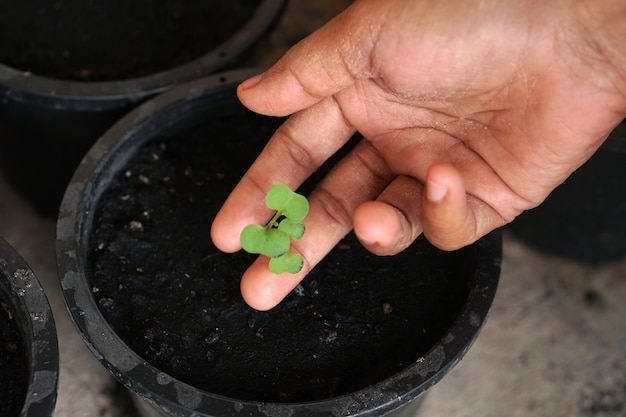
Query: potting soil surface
x,y
174,298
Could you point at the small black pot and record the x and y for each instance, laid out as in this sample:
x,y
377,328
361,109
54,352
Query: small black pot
x,y
160,306
29,355
56,100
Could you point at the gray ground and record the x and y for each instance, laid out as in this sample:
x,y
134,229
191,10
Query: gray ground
x,y
554,345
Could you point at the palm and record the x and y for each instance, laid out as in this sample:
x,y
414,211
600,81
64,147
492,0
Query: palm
x,y
493,112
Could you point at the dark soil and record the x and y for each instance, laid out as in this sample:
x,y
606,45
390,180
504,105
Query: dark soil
x,y
14,371
113,39
157,278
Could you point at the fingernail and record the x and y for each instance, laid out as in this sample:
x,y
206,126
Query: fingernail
x,y
435,193
250,82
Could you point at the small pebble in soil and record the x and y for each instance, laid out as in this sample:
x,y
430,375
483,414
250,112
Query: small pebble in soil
x,y
328,337
135,225
106,302
387,308
5,307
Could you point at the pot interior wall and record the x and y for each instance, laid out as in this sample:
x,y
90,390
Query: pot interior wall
x,y
29,355
356,320
115,39
13,352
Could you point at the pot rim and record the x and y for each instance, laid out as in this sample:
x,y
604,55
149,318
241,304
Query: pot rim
x,y
23,86
149,383
37,328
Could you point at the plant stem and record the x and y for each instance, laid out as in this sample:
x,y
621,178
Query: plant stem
x,y
274,221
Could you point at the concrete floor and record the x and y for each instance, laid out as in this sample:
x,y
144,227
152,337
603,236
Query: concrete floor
x,y
554,345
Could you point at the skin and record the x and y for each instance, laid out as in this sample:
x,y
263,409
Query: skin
x,y
472,112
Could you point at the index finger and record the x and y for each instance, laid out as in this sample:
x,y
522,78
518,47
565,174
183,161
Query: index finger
x,y
296,150
324,63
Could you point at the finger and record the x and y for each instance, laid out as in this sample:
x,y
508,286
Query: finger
x,y
392,222
327,61
452,218
359,177
297,149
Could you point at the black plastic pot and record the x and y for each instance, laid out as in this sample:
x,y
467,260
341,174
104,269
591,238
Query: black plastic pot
x,y
55,103
160,306
29,356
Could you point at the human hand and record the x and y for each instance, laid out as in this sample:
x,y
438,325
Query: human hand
x,y
472,112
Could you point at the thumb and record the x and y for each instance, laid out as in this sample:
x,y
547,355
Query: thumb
x,y
451,218
327,61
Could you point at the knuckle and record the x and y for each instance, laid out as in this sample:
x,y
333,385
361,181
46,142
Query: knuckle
x,y
335,210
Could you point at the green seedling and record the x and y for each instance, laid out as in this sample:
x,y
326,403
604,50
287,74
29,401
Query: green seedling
x,y
274,239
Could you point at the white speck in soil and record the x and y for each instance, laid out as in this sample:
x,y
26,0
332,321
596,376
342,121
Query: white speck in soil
x,y
212,337
299,290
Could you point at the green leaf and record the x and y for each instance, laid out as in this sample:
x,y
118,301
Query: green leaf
x,y
294,229
269,242
292,205
289,262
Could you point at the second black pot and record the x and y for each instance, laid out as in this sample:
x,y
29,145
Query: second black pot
x,y
69,69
